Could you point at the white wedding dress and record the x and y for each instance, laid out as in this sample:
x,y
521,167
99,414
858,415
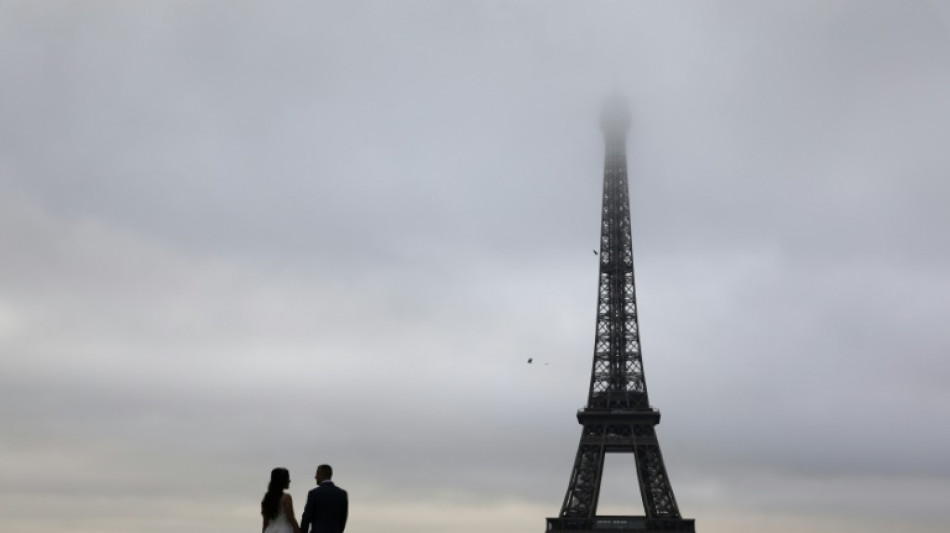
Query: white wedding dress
x,y
279,524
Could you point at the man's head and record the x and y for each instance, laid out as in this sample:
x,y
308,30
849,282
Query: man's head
x,y
324,473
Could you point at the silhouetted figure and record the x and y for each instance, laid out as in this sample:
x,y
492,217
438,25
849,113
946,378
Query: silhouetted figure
x,y
277,507
327,505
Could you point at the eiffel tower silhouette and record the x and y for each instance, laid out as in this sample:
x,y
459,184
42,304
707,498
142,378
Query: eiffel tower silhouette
x,y
618,417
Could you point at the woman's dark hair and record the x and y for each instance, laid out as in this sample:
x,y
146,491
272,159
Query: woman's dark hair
x,y
279,480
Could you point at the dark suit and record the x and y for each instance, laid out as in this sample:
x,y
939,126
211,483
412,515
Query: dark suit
x,y
326,509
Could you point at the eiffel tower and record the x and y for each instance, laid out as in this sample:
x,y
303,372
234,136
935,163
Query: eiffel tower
x,y
618,417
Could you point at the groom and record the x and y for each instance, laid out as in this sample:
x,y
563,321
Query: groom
x,y
326,507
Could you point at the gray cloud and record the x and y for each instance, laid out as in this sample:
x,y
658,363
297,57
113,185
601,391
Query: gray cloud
x,y
237,236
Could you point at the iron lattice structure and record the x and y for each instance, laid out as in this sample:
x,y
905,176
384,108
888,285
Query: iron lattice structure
x,y
618,417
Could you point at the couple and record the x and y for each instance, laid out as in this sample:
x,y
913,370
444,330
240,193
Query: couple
x,y
325,511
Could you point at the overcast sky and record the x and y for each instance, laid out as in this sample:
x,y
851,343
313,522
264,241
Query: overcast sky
x,y
240,235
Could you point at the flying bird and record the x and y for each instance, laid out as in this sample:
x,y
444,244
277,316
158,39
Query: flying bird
x,y
530,360
595,252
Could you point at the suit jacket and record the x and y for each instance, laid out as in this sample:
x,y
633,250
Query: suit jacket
x,y
326,509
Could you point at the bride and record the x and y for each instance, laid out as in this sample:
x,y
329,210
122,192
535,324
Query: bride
x,y
277,507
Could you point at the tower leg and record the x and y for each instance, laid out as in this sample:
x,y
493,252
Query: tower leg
x,y
583,490
579,511
655,489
